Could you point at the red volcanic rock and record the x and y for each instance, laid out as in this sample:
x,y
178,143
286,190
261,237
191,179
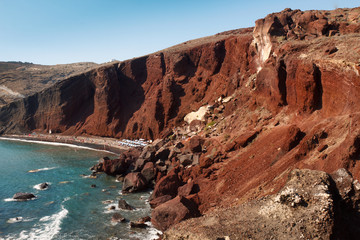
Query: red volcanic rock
x,y
187,189
159,200
172,212
134,182
168,185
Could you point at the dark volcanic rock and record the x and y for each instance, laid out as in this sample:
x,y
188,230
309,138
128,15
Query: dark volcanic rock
x,y
44,186
115,166
122,204
149,171
138,224
134,182
23,196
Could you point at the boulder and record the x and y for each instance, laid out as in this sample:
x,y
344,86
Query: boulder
x,y
160,200
149,171
172,212
117,217
115,166
134,182
167,185
195,144
198,115
187,189
122,204
23,196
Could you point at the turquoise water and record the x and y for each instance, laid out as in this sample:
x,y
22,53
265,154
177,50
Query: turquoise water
x,y
70,208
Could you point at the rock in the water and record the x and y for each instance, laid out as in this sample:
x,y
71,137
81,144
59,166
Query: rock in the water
x,y
138,224
117,217
122,204
23,196
43,186
134,182
172,212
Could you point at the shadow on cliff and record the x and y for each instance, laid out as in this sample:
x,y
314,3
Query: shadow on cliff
x,y
131,93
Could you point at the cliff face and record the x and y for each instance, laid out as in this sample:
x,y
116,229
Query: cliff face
x,y
140,97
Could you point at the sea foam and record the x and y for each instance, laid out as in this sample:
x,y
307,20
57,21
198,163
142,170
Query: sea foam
x,y
54,144
46,228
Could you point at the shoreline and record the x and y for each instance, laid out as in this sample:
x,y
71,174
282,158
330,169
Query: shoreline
x,y
109,145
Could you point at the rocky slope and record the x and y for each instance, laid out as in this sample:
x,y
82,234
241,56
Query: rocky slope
x,y
281,96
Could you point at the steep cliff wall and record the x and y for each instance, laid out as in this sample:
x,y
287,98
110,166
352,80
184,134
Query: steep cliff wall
x,y
140,97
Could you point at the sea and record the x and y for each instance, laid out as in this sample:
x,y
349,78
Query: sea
x,y
72,207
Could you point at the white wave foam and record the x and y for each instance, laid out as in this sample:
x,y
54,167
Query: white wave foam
x,y
18,200
55,144
37,187
46,228
41,169
19,219
9,200
151,233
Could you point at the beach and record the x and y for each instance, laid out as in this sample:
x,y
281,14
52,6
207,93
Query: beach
x,y
111,145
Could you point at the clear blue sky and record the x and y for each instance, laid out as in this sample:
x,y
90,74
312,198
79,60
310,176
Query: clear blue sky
x,y
66,31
